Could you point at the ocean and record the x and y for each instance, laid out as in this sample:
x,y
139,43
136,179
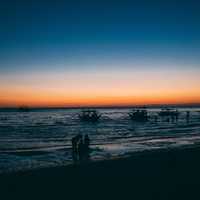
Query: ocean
x,y
42,137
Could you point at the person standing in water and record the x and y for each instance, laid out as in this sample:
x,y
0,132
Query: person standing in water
x,y
187,116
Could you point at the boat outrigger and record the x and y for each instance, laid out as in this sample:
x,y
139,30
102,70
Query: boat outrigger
x,y
168,112
139,115
89,116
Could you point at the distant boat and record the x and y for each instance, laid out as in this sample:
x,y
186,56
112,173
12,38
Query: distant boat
x,y
23,109
168,112
89,116
139,115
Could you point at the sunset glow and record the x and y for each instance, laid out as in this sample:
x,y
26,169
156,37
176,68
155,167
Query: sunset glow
x,y
110,88
99,53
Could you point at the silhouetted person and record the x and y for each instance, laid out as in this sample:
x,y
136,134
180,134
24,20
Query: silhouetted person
x,y
75,142
86,147
94,115
74,148
87,141
168,119
187,116
176,116
80,149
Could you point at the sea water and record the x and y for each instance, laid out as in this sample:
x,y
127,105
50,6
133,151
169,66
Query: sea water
x,y
42,137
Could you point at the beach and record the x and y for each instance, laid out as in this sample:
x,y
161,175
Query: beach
x,y
100,99
158,174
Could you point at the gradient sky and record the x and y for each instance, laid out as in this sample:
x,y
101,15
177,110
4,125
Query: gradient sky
x,y
88,53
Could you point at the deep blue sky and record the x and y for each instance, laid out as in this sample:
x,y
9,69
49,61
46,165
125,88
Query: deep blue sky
x,y
37,33
89,52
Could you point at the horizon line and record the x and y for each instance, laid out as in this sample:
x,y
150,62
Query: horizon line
x,y
104,106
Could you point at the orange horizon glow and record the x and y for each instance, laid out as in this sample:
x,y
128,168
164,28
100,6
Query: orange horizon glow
x,y
49,100
121,88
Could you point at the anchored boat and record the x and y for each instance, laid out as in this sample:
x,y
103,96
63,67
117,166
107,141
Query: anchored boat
x,y
23,109
139,115
89,116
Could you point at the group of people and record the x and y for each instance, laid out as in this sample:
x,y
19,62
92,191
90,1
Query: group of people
x,y
80,147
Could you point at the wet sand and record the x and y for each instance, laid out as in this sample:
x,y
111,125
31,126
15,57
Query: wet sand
x,y
163,174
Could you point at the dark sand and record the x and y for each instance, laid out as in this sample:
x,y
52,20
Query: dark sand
x,y
166,174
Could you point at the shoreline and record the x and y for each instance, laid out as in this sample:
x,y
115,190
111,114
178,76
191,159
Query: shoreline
x,y
119,158
165,174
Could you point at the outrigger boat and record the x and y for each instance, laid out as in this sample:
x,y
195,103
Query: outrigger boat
x,y
139,115
89,116
23,109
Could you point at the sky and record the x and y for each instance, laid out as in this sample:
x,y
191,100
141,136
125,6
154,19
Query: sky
x,y
97,52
